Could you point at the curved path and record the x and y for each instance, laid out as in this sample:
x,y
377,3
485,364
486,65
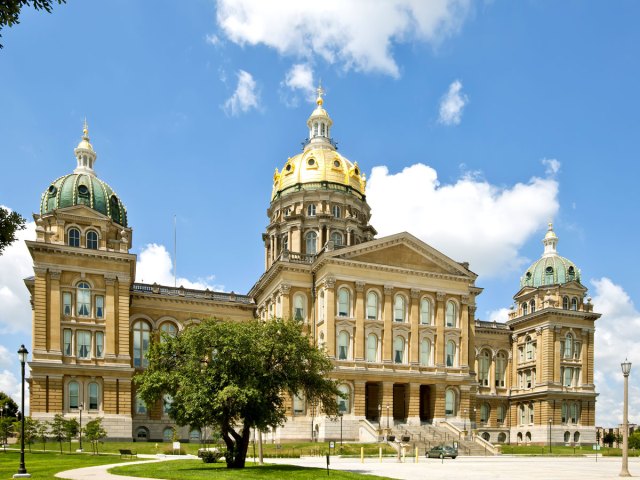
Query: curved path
x,y
479,468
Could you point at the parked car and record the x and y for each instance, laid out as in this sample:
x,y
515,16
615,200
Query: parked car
x,y
442,451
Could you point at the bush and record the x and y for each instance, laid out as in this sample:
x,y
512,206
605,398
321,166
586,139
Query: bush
x,y
171,451
210,457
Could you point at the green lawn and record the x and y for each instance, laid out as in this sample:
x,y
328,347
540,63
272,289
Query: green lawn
x,y
197,470
561,450
45,465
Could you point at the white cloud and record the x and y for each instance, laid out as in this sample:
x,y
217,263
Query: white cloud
x,y
245,97
155,265
358,34
299,78
452,104
553,166
470,220
16,264
617,337
501,315
213,39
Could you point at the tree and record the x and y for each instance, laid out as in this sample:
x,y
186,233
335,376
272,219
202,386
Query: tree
x,y
56,428
233,375
94,432
10,10
634,440
10,408
30,428
71,428
6,428
42,430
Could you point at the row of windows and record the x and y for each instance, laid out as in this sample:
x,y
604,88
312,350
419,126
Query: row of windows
x,y
92,394
567,304
142,434
484,368
569,348
527,378
311,241
527,352
84,306
141,333
485,412
570,376
81,343
91,238
570,413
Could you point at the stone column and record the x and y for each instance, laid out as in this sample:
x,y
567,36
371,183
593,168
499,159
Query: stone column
x,y
464,328
122,319
471,335
513,370
539,367
387,400
285,302
111,329
53,336
414,320
555,355
439,358
413,415
359,336
387,341
492,373
40,311
359,398
330,303
586,367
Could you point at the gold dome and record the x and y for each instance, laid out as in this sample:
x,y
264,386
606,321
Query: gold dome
x,y
318,168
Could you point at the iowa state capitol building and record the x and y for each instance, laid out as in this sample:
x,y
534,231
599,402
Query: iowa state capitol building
x,y
396,316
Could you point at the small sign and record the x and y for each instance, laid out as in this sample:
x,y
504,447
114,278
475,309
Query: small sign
x,y
596,447
332,445
176,446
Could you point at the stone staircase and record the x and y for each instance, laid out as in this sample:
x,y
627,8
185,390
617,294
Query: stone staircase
x,y
427,436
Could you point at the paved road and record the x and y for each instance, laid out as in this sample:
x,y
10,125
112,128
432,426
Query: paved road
x,y
476,468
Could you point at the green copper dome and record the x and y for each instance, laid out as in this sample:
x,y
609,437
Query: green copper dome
x,y
551,269
84,189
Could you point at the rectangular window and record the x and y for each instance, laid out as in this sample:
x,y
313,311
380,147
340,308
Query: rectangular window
x,y
577,351
99,344
93,396
84,343
66,336
529,379
567,377
521,354
99,306
66,304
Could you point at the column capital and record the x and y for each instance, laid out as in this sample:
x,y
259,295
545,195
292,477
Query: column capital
x,y
284,288
465,300
440,296
388,289
360,286
109,279
415,293
55,274
329,282
39,271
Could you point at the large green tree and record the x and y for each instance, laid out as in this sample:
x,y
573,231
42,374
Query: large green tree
x,y
233,375
56,428
10,223
8,406
94,433
10,10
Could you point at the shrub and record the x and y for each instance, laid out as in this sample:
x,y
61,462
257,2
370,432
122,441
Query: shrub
x,y
210,457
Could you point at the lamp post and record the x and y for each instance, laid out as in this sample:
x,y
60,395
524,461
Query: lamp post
x,y
464,429
340,432
550,422
22,470
626,369
379,417
387,416
81,406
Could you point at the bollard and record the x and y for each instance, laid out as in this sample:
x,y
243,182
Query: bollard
x,y
380,454
416,454
361,454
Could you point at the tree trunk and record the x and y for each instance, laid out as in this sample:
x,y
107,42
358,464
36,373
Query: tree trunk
x,y
237,446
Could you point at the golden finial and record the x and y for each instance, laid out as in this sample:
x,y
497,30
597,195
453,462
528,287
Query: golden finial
x,y
320,91
85,129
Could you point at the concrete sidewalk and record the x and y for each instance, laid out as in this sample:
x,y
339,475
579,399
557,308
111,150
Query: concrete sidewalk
x,y
100,471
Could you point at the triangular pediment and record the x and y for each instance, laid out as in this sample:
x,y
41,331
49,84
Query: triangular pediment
x,y
404,251
81,211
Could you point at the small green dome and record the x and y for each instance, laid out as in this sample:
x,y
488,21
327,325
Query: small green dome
x,y
84,189
551,269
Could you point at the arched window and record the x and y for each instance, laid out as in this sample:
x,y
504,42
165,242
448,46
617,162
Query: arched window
x,y
194,435
344,404
92,240
501,368
565,413
322,129
484,363
572,274
141,335
576,437
168,328
484,413
312,239
74,395
298,404
141,407
523,414
425,352
337,211
336,238
142,434
167,434
322,305
398,350
525,308
548,276
343,345
532,305
299,310
285,242
343,302
372,348
83,299
399,309
531,412
574,304
519,437
449,402
500,414
372,306
311,210
94,390
451,314
73,237
574,413
315,129
527,437
167,401
567,437
425,311
486,436
502,437
565,303
529,348
451,353
568,346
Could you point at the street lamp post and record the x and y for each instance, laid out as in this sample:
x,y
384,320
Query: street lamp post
x,y
22,470
340,432
464,429
380,417
80,430
626,369
387,416
550,422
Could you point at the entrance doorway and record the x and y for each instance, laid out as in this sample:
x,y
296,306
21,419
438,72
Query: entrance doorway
x,y
400,399
372,401
425,405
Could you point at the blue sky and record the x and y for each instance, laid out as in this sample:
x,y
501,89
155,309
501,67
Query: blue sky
x,y
476,123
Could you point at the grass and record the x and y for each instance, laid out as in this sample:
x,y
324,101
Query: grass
x,y
197,470
557,450
45,465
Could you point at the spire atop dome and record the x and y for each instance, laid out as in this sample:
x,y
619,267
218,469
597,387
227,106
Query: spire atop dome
x,y
550,242
320,92
84,152
319,124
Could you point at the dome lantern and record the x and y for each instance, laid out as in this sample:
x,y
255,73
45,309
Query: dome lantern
x,y
319,124
85,154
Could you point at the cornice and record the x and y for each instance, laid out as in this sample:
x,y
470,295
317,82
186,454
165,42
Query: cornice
x,y
80,252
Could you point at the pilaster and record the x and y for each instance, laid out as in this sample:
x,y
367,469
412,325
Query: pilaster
x,y
359,336
439,354
330,300
387,340
414,319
